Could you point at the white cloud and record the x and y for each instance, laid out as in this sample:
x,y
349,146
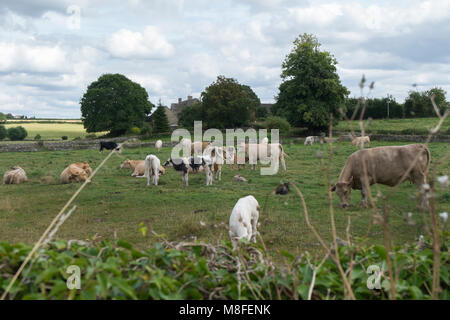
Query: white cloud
x,y
38,58
149,44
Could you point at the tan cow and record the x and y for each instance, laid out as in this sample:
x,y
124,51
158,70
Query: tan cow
x,y
384,165
198,147
73,173
263,152
85,166
15,176
138,167
361,141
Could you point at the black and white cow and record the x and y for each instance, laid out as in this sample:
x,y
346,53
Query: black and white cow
x,y
192,165
109,145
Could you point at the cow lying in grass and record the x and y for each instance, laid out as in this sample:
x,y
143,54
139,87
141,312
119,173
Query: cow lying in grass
x,y
192,165
85,166
15,176
138,167
73,173
384,165
152,165
244,220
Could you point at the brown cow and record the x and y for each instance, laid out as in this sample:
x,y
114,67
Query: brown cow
x,y
385,165
73,173
138,167
85,166
15,176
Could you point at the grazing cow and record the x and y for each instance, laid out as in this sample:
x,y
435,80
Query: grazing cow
x,y
138,167
265,152
73,173
361,141
109,145
152,165
244,219
85,166
192,165
15,176
158,145
384,165
311,140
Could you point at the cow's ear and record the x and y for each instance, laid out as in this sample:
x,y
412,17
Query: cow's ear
x,y
350,182
333,188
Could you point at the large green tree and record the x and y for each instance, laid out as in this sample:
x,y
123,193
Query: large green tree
x,y
114,103
418,104
311,89
228,104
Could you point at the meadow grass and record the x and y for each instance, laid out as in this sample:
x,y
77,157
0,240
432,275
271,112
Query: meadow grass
x,y
396,125
115,203
52,131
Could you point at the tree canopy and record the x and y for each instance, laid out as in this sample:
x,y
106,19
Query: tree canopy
x,y
114,103
228,104
418,104
311,89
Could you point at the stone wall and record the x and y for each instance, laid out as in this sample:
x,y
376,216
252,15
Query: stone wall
x,y
95,144
72,145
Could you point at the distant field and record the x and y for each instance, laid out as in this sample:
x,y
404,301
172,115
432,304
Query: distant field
x,y
52,131
396,124
115,203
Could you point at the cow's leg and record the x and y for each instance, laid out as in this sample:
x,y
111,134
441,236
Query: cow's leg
x,y
364,192
254,226
419,179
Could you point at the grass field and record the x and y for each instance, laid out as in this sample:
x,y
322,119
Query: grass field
x,y
114,204
396,124
52,131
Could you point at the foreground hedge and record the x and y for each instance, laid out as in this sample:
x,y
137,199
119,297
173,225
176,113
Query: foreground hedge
x,y
114,270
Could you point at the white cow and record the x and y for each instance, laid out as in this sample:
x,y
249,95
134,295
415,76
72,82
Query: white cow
x,y
244,219
311,140
158,145
152,165
15,176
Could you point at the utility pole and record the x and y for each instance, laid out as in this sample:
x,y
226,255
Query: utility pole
x,y
388,102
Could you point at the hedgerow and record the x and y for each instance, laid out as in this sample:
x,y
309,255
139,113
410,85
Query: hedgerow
x,y
116,270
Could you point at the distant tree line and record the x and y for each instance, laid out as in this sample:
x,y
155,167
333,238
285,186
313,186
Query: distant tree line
x,y
416,105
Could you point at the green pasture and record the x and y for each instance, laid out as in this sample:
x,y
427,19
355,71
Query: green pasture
x,y
115,203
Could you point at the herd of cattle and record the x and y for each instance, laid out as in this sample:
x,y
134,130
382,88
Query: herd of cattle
x,y
388,165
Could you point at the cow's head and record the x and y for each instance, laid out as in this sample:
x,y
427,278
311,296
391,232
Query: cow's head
x,y
343,190
126,164
168,163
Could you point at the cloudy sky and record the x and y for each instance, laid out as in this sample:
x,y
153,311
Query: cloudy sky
x,y
50,50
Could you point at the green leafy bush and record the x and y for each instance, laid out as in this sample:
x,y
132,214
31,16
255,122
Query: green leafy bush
x,y
115,270
135,131
278,123
17,133
64,137
37,137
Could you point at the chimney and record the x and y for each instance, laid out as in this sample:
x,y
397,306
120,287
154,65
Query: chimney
x,y
179,100
189,97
